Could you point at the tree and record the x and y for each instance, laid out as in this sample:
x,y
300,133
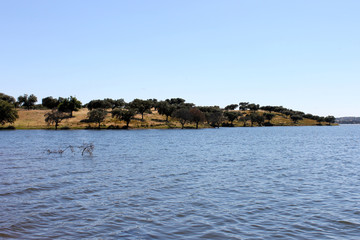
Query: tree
x,y
268,108
96,104
118,103
213,115
8,99
244,119
69,105
253,107
269,116
243,106
215,118
97,116
330,119
55,117
255,117
231,107
123,114
140,106
186,105
153,102
196,116
260,120
165,108
175,101
27,101
183,115
50,102
296,118
288,112
231,116
319,119
8,113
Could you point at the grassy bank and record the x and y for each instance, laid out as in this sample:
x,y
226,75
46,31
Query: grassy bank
x,y
34,119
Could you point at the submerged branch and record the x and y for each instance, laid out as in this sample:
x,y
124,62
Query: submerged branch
x,y
84,148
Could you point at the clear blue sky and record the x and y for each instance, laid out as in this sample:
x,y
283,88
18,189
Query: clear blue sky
x,y
303,54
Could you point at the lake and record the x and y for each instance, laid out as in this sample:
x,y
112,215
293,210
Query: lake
x,y
227,183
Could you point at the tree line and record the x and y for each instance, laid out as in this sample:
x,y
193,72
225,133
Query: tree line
x,y
175,108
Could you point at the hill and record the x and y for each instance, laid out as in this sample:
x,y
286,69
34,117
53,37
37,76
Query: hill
x,y
35,119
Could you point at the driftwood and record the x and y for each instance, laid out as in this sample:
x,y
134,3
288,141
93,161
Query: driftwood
x,y
84,148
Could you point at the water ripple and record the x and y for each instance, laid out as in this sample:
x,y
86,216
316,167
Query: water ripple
x,y
236,183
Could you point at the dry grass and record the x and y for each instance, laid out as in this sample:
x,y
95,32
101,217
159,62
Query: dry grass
x,y
34,119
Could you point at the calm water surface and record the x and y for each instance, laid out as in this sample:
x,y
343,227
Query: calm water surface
x,y
228,183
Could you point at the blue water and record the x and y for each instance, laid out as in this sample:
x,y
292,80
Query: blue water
x,y
227,183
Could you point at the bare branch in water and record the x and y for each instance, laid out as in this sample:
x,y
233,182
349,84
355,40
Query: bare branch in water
x,y
84,148
87,148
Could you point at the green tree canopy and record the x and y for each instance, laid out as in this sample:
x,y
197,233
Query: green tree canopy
x,y
215,118
103,104
153,102
97,116
69,105
269,116
330,119
196,116
8,99
183,115
296,118
140,106
50,102
123,114
255,117
27,101
253,107
117,103
231,116
320,119
231,107
8,113
243,106
165,108
55,117
244,119
175,101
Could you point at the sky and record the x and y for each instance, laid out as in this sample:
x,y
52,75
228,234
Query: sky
x,y
303,55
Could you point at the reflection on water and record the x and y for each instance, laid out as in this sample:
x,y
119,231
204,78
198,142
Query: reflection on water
x,y
229,183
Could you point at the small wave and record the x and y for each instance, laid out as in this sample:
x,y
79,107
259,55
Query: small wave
x,y
27,190
348,223
30,190
215,235
5,235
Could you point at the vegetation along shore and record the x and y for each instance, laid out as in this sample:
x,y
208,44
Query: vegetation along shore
x,y
70,113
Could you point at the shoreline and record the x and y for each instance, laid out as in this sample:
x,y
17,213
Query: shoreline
x,y
177,128
35,120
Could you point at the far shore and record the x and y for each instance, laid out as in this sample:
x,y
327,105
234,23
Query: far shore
x,y
35,119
